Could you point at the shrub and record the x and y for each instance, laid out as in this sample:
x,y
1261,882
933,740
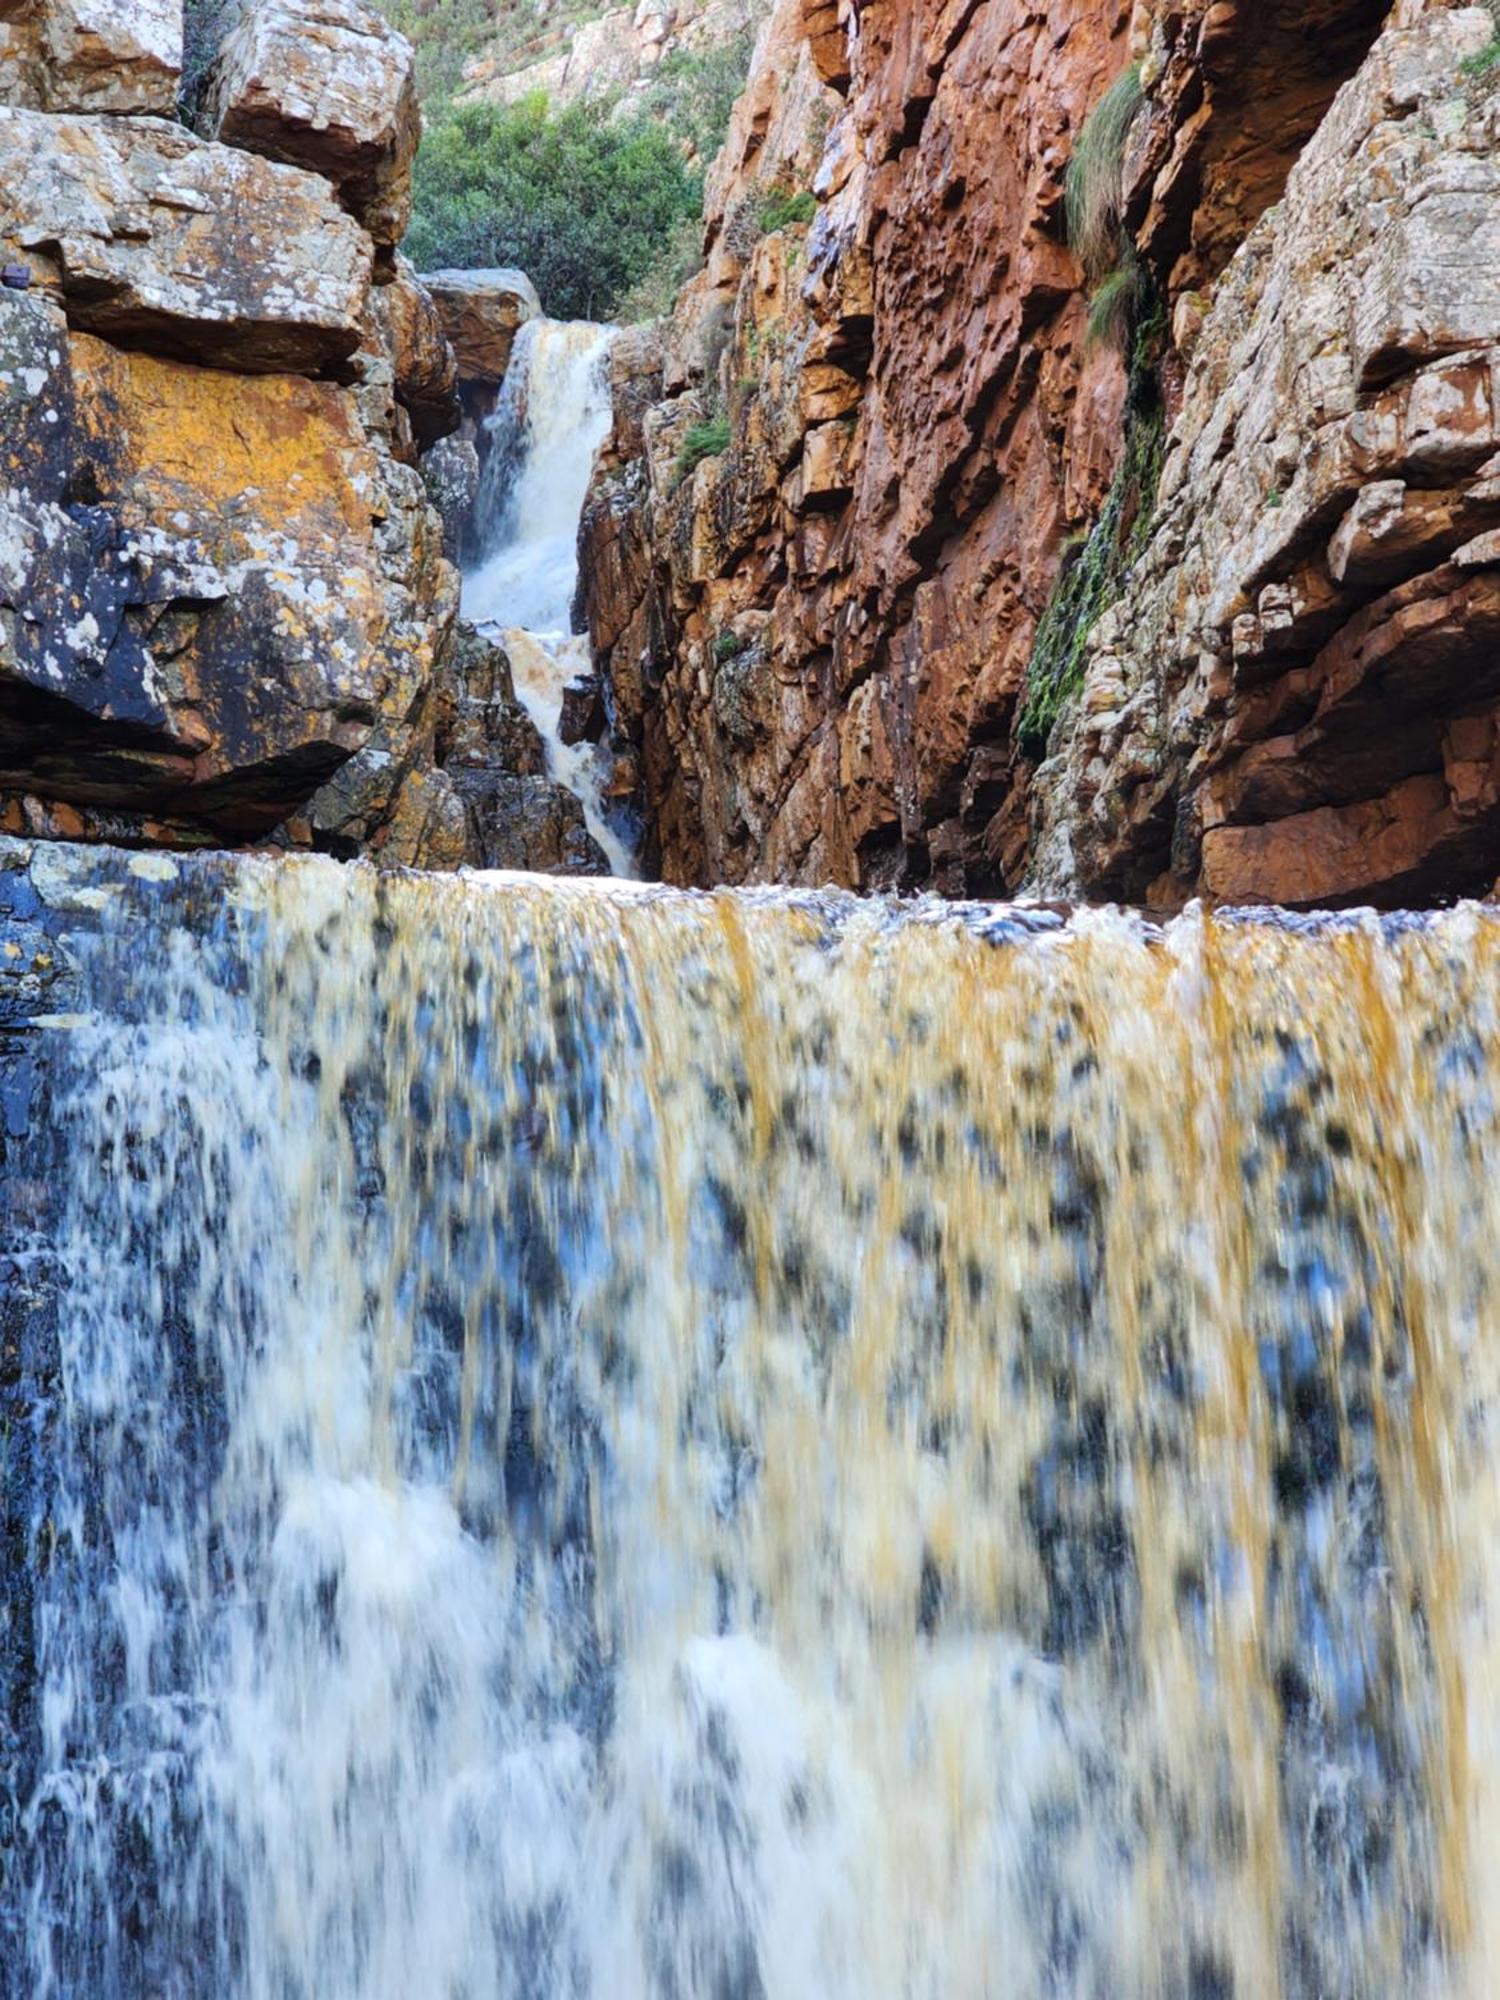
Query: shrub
x,y
1095,195
585,202
447,33
782,209
693,93
706,440
729,646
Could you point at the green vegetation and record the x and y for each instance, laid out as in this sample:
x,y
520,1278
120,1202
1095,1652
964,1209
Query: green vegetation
x,y
1096,565
600,202
784,209
729,646
1115,304
586,203
693,93
447,34
1095,194
706,440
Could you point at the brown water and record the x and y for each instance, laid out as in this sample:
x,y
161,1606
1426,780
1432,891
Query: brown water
x,y
767,1446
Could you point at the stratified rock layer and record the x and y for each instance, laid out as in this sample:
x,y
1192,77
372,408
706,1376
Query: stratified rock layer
x,y
1297,698
847,477
152,236
328,85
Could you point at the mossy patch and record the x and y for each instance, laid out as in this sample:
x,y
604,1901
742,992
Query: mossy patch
x,y
785,209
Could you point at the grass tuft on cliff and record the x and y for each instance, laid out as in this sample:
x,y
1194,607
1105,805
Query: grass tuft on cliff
x,y
707,440
1115,304
1095,195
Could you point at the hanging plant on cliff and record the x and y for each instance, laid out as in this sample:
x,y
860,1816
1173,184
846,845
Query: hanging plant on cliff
x,y
1095,192
1124,312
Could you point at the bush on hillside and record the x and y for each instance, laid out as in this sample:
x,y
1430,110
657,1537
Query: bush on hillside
x,y
582,199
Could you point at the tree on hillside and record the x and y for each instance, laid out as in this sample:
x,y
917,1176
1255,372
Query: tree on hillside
x,y
582,199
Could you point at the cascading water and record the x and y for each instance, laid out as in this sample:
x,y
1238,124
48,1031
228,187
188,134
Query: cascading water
x,y
573,1441
553,414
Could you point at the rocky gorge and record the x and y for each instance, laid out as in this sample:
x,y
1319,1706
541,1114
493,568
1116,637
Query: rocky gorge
x,y
906,1411
936,547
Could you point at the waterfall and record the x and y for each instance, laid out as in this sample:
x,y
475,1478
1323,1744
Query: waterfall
x,y
553,414
577,1440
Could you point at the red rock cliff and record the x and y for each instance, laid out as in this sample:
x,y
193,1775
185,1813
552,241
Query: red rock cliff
x,y
876,441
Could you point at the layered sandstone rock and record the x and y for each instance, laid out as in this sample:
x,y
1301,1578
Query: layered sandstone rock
x,y
481,313
1297,698
91,55
217,587
150,235
327,85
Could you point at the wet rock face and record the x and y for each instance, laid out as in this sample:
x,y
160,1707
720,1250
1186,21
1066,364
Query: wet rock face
x,y
1296,699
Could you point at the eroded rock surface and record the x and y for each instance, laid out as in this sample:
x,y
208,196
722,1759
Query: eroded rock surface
x,y
816,635
1297,698
860,478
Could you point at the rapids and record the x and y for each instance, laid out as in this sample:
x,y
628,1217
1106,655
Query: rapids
x,y
571,1440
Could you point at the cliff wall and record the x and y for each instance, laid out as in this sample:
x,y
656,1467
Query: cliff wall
x,y
927,552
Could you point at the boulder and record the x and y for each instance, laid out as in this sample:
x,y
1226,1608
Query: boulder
x,y
423,366
112,55
326,85
150,235
482,311
213,589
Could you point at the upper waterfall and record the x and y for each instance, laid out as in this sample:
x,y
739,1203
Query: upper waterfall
x,y
553,414
563,1440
